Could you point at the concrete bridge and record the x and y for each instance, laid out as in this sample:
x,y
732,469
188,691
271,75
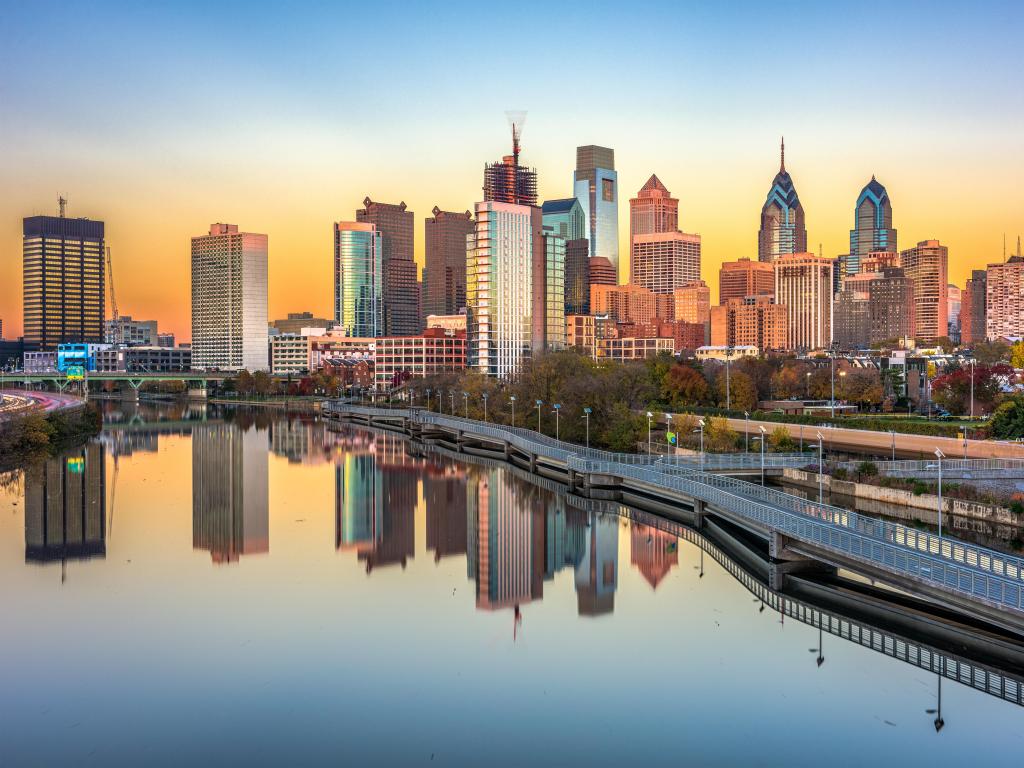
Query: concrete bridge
x,y
952,469
799,535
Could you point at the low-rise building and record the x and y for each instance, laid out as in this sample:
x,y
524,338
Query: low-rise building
x,y
290,353
351,372
336,345
40,362
448,322
623,349
580,333
724,353
165,340
149,359
434,351
296,321
125,330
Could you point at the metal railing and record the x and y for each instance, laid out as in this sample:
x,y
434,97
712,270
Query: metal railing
x,y
951,465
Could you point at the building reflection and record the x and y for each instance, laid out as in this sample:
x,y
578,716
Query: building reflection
x,y
653,552
230,508
65,507
300,441
444,494
598,570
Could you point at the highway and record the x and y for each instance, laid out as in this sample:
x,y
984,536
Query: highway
x,y
881,443
17,402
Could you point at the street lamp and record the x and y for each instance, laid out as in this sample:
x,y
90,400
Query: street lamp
x,y
940,456
972,397
451,398
700,428
484,396
842,378
465,400
586,415
428,398
821,467
746,431
650,417
807,385
832,402
512,399
763,439
557,407
539,404
728,389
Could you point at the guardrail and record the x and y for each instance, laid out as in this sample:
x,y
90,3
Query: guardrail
x,y
958,567
950,465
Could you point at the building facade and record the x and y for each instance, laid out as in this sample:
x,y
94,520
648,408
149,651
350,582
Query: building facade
x,y
973,308
665,261
872,229
754,321
783,230
400,288
891,306
296,321
148,359
444,275
624,303
653,210
290,353
430,353
596,186
926,265
852,312
125,330
63,281
358,279
602,272
692,303
229,300
548,275
803,284
1004,299
742,278
577,276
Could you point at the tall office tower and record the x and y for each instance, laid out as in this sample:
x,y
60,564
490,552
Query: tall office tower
x,y
63,280
230,507
851,312
803,284
653,209
754,321
65,506
927,265
566,219
973,308
548,275
872,230
954,302
444,276
665,261
229,300
358,279
499,286
508,181
739,279
596,186
602,272
890,306
692,303
400,289
782,218
1004,298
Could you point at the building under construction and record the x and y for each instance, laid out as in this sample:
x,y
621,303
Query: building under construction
x,y
509,182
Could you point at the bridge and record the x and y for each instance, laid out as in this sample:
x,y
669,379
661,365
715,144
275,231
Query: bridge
x,y
799,534
952,469
135,379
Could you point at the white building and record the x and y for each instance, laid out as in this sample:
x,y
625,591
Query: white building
x,y
726,353
229,300
803,284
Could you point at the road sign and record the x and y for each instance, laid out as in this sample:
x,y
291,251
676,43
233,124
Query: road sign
x,y
75,373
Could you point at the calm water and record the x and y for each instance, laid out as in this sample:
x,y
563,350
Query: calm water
x,y
251,589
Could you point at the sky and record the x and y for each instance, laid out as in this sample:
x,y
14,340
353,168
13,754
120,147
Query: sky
x,y
282,118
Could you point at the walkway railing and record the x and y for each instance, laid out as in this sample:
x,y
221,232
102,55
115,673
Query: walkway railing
x,y
948,465
958,567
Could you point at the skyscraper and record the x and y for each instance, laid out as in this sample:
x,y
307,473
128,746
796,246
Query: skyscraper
x,y
602,272
595,185
782,218
229,300
851,312
872,227
890,306
508,181
444,276
63,280
358,280
803,284
954,302
653,209
739,279
973,308
926,265
400,289
1004,299
499,286
565,218
548,280
661,257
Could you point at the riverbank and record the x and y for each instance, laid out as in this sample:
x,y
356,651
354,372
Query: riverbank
x,y
310,404
37,435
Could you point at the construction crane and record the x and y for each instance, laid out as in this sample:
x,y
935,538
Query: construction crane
x,y
115,335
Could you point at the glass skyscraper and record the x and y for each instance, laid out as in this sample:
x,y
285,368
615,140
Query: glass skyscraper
x,y
872,226
358,269
782,218
596,186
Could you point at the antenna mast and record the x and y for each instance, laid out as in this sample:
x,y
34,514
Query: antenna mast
x,y
62,204
115,330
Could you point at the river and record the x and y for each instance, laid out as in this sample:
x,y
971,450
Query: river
x,y
203,585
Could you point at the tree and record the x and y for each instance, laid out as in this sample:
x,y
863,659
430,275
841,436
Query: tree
x,y
1008,419
952,390
742,396
685,386
262,383
820,385
780,440
991,352
862,386
719,437
623,429
791,380
1017,355
684,425
761,372
244,382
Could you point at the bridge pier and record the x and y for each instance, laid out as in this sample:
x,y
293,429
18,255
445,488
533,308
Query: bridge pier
x,y
698,514
785,561
533,462
197,393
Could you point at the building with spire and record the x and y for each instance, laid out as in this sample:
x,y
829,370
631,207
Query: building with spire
x,y
783,229
872,230
596,186
653,209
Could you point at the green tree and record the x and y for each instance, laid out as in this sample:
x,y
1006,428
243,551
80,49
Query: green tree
x,y
622,429
780,440
742,395
991,352
719,437
244,382
1008,419
1017,355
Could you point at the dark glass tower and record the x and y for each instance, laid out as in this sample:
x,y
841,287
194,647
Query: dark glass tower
x,y
872,226
782,218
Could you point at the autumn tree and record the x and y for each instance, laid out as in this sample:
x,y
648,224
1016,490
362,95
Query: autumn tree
x,y
791,379
780,440
685,386
736,391
719,437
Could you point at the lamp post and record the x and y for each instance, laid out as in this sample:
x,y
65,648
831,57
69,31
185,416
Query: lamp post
x,y
484,396
728,389
972,398
586,415
465,401
650,417
451,399
428,398
512,399
746,431
539,404
807,385
821,466
763,439
940,456
557,407
832,402
700,428
893,433
842,378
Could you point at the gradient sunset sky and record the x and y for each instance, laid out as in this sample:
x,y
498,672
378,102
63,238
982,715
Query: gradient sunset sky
x,y
281,118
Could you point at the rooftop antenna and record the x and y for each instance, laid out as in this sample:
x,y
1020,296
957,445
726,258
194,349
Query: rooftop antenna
x,y
516,118
782,156
1004,246
1019,255
62,204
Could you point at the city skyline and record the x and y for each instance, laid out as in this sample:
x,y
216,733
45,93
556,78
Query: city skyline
x,y
292,178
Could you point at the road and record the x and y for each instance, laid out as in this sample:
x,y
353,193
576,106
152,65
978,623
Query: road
x,y
17,402
881,443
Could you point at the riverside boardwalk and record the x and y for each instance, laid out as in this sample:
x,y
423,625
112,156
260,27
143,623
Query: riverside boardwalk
x,y
800,534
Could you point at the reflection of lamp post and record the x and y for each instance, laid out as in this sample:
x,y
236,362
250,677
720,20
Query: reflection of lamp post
x,y
484,396
650,417
746,431
940,456
512,399
821,453
939,722
586,415
539,404
557,407
820,650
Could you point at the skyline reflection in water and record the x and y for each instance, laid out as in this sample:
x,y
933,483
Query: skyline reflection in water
x,y
333,594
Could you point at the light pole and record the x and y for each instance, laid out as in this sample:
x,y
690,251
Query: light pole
x,y
940,456
484,396
972,398
746,431
539,404
807,385
821,466
428,398
842,378
586,415
763,439
832,402
700,425
512,399
728,389
893,433
465,401
557,407
451,398
650,417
